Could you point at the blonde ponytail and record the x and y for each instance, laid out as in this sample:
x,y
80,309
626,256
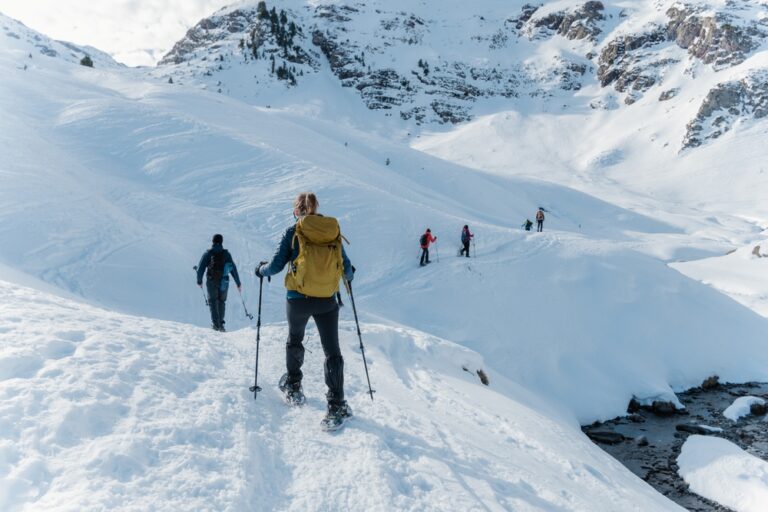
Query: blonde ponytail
x,y
306,204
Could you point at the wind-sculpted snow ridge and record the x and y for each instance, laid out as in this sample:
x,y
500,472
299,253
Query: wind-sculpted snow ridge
x,y
102,410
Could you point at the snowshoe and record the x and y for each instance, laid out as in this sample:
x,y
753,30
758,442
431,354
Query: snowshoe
x,y
292,393
336,416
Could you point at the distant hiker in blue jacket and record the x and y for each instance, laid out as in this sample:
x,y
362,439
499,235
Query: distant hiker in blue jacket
x,y
466,238
217,264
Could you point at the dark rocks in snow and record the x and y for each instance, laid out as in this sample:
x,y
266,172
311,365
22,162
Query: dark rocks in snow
x,y
279,41
582,23
656,442
527,12
758,409
668,94
693,429
719,39
710,382
605,437
725,104
663,408
208,31
623,64
633,406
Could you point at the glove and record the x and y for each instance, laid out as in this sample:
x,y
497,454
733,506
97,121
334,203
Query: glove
x,y
258,269
200,285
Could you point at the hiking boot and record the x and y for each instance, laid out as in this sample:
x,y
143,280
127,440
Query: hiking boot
x,y
337,414
292,392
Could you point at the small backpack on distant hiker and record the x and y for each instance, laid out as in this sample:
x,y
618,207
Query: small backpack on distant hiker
x,y
215,270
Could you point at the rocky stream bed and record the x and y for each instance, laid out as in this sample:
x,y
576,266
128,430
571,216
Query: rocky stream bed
x,y
649,439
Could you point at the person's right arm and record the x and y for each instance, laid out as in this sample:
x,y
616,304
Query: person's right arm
x,y
281,257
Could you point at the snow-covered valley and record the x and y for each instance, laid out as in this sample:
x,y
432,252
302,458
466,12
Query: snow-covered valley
x,y
115,395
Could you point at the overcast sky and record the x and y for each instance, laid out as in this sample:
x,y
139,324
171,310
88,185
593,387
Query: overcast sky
x,y
135,32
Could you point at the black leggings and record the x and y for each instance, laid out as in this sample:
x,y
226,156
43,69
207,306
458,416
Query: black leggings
x,y
539,225
217,302
424,256
326,315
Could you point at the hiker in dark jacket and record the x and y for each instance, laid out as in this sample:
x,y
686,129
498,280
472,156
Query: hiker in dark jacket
x,y
540,220
424,242
301,306
466,238
217,264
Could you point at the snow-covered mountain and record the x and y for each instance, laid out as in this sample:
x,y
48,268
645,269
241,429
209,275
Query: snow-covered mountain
x,y
112,181
446,62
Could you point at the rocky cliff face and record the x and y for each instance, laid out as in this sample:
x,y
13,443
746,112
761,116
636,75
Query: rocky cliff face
x,y
436,62
725,105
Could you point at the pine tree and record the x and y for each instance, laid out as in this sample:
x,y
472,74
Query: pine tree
x,y
261,8
86,61
170,79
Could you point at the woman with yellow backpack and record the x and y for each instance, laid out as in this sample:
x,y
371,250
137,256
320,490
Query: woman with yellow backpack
x,y
312,248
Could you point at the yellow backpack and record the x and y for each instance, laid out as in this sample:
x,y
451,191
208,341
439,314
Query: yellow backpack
x,y
317,269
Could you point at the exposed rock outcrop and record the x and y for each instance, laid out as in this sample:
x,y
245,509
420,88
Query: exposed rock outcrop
x,y
581,23
725,104
720,39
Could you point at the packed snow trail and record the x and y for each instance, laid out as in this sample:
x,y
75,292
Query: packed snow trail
x,y
101,410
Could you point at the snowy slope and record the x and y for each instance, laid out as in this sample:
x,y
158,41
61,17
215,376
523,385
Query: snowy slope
x,y
102,410
111,184
167,166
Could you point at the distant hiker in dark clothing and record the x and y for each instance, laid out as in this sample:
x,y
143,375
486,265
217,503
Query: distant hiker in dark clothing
x,y
424,241
540,220
466,238
528,224
312,282
217,264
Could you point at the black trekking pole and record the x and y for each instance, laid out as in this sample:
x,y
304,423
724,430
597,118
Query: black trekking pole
x,y
359,336
247,314
255,388
437,253
205,297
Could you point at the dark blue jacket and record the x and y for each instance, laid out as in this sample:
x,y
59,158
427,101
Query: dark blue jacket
x,y
229,266
285,253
